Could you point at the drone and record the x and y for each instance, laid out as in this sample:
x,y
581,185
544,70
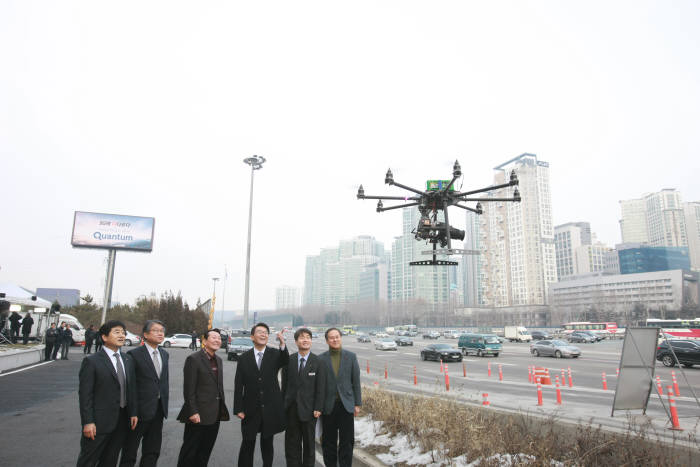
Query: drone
x,y
438,196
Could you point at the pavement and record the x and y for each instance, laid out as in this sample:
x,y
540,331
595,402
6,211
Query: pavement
x,y
41,421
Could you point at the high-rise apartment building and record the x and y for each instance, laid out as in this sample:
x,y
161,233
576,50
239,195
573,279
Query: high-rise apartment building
x,y
591,258
656,219
517,239
567,238
692,224
470,267
287,297
332,278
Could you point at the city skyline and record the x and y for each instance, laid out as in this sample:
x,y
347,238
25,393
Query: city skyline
x,y
156,123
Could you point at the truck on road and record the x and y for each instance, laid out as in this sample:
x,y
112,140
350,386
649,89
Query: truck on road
x,y
517,334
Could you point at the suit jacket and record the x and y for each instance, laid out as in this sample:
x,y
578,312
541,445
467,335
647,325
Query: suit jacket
x,y
203,390
307,388
149,390
257,392
346,384
98,392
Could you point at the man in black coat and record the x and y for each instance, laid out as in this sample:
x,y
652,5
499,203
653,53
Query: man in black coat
x,y
304,384
90,335
27,324
14,319
66,338
103,396
205,405
50,341
257,399
343,401
150,397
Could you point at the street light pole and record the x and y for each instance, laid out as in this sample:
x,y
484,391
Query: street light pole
x,y
213,304
255,163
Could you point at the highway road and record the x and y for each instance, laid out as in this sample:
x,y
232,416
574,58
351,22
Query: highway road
x,y
585,400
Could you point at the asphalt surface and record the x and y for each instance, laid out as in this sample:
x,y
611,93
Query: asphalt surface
x,y
41,422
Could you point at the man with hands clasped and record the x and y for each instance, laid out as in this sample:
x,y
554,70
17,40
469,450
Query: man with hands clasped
x,y
204,405
257,400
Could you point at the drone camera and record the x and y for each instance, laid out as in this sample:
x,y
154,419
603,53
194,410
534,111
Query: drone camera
x,y
380,205
360,192
514,178
516,195
479,208
456,170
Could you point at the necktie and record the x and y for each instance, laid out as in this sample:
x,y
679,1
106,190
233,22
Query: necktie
x,y
156,362
259,359
121,377
301,365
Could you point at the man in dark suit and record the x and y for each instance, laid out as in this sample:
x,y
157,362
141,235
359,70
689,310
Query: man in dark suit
x,y
104,395
257,399
150,397
205,405
304,383
343,401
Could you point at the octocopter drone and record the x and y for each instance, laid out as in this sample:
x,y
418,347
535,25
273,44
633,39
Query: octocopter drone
x,y
438,196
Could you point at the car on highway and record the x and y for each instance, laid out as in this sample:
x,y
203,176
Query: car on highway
x,y
363,338
581,337
444,352
554,348
132,339
179,340
687,353
539,335
385,343
237,346
480,344
381,334
431,335
403,341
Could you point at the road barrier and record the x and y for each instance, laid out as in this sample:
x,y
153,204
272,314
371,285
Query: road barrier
x,y
605,383
556,380
542,375
539,392
447,379
675,384
675,425
485,397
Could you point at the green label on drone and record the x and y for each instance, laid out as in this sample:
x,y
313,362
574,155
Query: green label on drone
x,y
437,185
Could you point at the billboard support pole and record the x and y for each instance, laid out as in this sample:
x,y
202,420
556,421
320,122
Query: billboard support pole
x,y
108,284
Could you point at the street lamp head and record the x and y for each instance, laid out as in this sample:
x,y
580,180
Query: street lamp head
x,y
255,162
215,279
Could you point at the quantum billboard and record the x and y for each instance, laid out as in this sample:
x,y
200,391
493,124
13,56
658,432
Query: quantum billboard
x,y
112,231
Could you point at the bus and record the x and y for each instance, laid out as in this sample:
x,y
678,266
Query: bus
x,y
349,329
604,329
677,328
407,330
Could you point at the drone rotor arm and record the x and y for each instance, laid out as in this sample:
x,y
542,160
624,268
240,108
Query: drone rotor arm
x,y
408,188
396,198
399,206
468,208
482,190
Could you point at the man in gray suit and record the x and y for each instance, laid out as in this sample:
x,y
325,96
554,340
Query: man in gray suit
x,y
343,401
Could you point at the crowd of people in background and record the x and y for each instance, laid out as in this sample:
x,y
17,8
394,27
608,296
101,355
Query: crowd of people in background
x,y
123,398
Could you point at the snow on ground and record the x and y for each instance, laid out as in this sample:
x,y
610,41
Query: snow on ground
x,y
370,433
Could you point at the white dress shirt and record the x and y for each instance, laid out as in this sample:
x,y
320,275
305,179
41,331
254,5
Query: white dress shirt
x,y
112,358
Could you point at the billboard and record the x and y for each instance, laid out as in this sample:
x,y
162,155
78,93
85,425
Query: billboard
x,y
112,231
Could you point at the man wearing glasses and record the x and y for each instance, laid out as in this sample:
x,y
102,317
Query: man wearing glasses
x,y
257,399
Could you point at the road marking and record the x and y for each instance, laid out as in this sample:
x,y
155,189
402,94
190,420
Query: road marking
x,y
27,368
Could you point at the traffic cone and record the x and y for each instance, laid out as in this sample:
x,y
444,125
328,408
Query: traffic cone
x,y
617,372
442,368
485,397
386,372
464,369
658,386
415,377
556,379
539,392
675,384
571,381
605,383
447,379
500,372
674,412
367,366
489,369
529,374
563,377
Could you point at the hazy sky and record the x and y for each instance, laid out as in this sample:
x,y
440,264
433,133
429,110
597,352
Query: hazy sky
x,y
149,108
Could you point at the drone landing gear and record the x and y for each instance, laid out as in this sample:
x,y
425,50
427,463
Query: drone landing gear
x,y
434,261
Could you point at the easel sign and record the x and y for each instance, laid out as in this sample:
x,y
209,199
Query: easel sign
x,y
637,364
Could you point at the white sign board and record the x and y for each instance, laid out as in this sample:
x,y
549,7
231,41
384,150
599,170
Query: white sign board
x,y
112,231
